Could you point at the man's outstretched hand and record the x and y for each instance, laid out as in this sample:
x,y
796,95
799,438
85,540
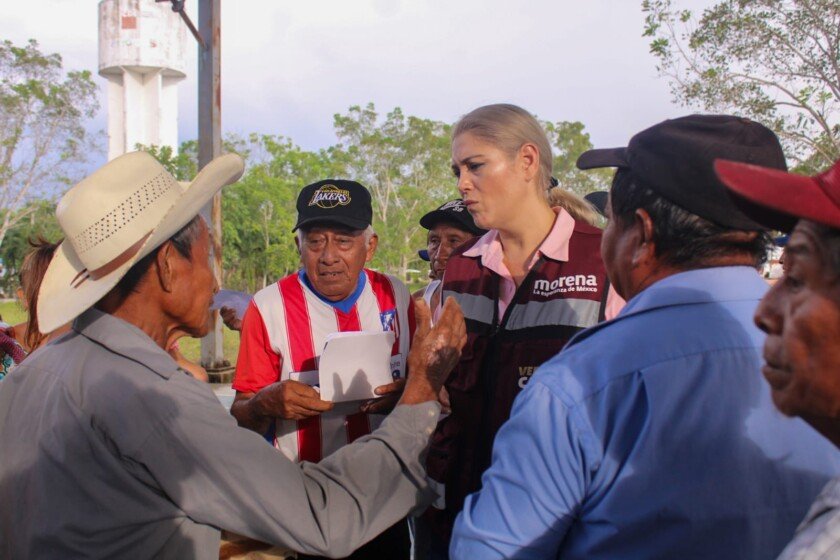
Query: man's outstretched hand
x,y
230,319
434,351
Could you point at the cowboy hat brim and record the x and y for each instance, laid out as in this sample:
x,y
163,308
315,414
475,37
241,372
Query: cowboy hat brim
x,y
62,297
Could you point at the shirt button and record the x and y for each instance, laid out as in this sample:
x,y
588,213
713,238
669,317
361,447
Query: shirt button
x,y
431,413
429,431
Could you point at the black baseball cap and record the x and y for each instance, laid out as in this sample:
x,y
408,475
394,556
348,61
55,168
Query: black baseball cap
x,y
676,158
334,201
598,199
454,211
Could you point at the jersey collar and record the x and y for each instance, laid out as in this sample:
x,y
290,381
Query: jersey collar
x,y
344,305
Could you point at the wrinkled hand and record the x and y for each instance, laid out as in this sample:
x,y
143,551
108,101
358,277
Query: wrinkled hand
x,y
230,319
434,351
391,393
291,400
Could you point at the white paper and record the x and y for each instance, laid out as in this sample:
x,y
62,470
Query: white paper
x,y
230,298
353,364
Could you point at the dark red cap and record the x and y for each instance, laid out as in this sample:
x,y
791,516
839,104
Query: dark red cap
x,y
777,199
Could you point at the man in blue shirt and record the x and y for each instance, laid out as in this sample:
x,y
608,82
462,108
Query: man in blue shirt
x,y
653,435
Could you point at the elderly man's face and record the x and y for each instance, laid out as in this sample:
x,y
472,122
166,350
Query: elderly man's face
x,y
801,316
618,244
195,286
442,239
333,257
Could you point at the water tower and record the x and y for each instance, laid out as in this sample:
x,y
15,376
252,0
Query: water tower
x,y
141,54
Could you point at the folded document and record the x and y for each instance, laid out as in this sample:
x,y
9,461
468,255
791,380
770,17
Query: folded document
x,y
353,364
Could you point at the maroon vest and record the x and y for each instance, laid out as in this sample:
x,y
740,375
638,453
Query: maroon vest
x,y
555,301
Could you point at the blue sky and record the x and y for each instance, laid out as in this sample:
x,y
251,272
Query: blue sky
x,y
287,67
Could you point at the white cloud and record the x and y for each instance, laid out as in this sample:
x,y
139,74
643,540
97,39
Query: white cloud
x,y
287,67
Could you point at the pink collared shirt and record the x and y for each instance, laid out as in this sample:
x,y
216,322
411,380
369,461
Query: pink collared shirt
x,y
555,246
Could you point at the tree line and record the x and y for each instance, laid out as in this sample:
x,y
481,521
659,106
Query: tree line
x,y
403,160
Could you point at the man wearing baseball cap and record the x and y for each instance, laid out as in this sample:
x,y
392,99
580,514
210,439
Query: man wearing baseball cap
x,y
287,323
109,450
801,316
652,435
449,226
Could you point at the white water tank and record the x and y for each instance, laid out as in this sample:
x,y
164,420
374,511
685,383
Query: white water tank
x,y
142,46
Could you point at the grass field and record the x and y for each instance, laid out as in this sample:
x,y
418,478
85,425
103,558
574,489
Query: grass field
x,y
191,347
13,313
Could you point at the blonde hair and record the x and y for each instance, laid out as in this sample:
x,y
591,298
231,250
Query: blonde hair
x,y
579,208
509,127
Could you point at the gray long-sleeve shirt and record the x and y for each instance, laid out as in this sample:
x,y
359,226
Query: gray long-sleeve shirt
x,y
108,450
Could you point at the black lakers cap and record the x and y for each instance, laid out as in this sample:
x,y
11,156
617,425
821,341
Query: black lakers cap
x,y
334,201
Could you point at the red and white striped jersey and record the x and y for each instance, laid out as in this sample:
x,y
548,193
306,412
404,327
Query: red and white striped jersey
x,y
283,334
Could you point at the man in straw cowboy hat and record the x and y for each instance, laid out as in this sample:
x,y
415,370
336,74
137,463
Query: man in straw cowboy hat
x,y
110,450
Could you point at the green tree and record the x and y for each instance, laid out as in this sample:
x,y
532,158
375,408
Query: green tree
x,y
259,211
775,61
569,141
182,165
38,221
43,112
404,161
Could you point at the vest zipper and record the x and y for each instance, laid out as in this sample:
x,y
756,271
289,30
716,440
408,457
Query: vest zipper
x,y
490,377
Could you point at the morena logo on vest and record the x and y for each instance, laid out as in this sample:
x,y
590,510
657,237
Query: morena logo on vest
x,y
330,196
565,284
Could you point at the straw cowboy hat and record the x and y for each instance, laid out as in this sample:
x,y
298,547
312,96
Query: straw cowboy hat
x,y
114,218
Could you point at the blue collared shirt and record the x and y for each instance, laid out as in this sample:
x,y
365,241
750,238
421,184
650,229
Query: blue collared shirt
x,y
651,436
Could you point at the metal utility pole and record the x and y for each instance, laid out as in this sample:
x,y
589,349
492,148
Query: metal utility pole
x,y
208,36
209,147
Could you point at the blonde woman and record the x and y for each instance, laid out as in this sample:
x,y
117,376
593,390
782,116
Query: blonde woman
x,y
525,287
